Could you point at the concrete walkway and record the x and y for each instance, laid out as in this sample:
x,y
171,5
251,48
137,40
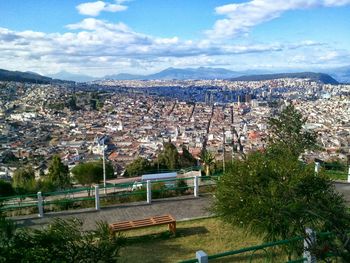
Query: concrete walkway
x,y
185,207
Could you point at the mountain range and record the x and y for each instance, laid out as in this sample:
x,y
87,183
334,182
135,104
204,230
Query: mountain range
x,y
341,74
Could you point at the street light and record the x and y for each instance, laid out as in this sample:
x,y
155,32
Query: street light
x,y
102,143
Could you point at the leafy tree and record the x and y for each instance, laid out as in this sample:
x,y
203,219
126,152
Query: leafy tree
x,y
6,189
187,159
72,103
169,158
61,241
59,173
9,157
208,161
138,167
276,196
90,173
287,132
24,180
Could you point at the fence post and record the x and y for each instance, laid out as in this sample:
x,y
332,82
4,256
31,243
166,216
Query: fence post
x,y
201,256
40,205
196,186
97,197
149,192
349,175
317,168
309,242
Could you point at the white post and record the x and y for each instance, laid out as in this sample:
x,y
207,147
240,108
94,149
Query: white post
x,y
349,175
40,205
201,256
309,242
196,186
317,168
104,169
97,197
149,192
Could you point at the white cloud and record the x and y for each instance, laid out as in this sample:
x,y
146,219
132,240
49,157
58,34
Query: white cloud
x,y
240,18
95,8
99,47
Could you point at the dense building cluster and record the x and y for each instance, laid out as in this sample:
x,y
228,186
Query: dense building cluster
x,y
39,121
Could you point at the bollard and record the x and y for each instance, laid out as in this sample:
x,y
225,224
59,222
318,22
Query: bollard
x,y
149,192
309,242
196,186
97,197
349,175
201,256
317,168
40,205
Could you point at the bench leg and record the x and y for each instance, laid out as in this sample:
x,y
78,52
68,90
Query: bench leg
x,y
172,227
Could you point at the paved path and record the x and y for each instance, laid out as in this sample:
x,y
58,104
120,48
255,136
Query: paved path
x,y
185,207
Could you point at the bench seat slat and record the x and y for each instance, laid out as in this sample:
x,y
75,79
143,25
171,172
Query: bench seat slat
x,y
146,222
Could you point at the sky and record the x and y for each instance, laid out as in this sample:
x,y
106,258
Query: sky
x,y
100,38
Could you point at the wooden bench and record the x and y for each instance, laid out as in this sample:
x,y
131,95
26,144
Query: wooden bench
x,y
146,222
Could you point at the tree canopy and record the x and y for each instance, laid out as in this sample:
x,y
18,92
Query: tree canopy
x,y
287,132
24,180
90,173
275,195
59,173
138,167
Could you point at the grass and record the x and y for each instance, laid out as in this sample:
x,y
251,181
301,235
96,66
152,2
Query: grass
x,y
156,244
337,175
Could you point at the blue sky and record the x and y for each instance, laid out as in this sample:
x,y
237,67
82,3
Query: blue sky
x,y
145,36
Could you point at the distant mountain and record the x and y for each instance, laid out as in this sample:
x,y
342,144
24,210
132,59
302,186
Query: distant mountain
x,y
194,73
64,75
7,75
319,77
180,74
124,76
342,74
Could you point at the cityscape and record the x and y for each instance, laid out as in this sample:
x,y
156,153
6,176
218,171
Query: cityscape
x,y
226,121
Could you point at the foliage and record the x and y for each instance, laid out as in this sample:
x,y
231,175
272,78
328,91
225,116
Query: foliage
x,y
61,241
169,158
276,196
138,167
24,180
187,159
182,185
286,131
72,103
59,173
6,188
90,173
8,157
208,161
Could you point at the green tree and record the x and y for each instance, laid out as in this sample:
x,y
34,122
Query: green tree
x,y
24,180
169,158
59,173
61,241
208,161
90,173
6,189
275,195
287,132
187,159
138,167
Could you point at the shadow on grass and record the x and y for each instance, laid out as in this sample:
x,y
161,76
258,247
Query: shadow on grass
x,y
180,232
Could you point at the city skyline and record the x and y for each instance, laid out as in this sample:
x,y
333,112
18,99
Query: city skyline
x,y
141,37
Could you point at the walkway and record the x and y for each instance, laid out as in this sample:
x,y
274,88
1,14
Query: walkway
x,y
181,208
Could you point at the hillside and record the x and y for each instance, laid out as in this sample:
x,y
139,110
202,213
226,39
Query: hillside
x,y
31,77
319,77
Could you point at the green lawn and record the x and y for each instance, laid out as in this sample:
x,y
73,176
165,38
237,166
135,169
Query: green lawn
x,y
211,235
337,175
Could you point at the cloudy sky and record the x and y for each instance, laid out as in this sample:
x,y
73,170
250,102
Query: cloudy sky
x,y
144,36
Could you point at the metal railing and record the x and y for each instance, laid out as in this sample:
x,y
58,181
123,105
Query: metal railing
x,y
83,197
